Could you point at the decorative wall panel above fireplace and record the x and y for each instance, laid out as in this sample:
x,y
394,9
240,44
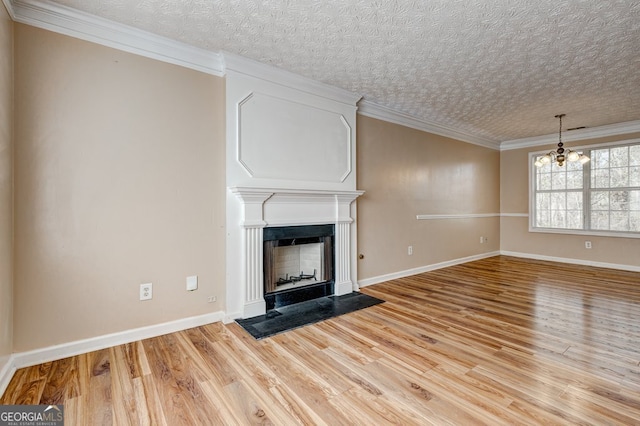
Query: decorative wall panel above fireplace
x,y
301,142
288,132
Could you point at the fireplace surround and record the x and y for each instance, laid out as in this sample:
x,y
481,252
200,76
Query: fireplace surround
x,y
261,208
298,264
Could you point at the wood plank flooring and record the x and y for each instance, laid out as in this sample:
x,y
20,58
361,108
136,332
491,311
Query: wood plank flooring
x,y
496,341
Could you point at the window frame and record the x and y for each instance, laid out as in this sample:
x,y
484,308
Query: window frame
x,y
586,191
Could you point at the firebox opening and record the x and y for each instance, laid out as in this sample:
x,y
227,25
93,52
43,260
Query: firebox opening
x,y
298,264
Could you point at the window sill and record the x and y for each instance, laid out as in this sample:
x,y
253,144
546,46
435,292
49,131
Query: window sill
x,y
589,233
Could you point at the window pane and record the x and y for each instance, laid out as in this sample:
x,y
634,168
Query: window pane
x,y
619,221
634,155
619,177
574,219
559,181
574,201
634,200
634,211
600,200
543,218
600,220
573,166
619,157
544,181
543,201
558,219
634,222
619,200
634,176
574,180
558,201
600,158
600,178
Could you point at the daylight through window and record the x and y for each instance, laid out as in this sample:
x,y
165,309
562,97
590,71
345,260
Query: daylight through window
x,y
602,195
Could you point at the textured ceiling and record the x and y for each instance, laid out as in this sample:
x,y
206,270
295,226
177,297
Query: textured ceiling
x,y
497,69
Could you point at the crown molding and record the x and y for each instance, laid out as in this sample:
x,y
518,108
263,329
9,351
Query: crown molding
x,y
373,110
574,135
85,26
282,77
9,7
74,23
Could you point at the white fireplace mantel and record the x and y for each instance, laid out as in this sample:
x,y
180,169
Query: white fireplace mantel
x,y
280,207
290,160
263,207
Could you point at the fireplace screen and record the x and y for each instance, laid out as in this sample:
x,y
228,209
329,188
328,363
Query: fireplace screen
x,y
297,256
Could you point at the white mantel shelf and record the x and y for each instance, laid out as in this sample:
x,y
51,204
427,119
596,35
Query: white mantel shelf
x,y
314,194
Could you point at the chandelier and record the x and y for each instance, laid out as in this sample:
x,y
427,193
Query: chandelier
x,y
559,155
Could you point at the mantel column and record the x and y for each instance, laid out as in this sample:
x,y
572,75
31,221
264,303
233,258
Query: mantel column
x,y
252,223
343,284
344,235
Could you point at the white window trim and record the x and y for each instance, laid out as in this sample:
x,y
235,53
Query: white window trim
x,y
532,175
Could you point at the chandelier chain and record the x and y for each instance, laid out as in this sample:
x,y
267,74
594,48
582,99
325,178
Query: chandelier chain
x,y
559,116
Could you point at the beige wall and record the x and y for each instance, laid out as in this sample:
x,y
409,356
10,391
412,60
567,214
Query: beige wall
x,y
6,186
515,235
119,181
406,172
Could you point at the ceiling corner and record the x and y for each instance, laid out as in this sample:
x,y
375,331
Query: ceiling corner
x,y
241,64
616,129
8,4
373,110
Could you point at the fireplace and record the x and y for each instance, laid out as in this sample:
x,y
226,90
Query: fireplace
x,y
266,210
298,264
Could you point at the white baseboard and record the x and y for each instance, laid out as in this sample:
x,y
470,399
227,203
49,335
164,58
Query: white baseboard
x,y
534,256
343,288
255,308
231,317
7,370
52,353
415,271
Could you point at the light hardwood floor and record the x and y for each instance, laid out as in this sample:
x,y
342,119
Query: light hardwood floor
x,y
496,341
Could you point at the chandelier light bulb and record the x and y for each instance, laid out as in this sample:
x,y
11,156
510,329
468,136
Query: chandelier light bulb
x,y
573,156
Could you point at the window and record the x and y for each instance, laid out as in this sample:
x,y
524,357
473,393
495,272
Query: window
x,y
599,197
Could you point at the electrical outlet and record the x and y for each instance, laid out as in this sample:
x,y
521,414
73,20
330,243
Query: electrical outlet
x,y
211,299
146,291
587,244
410,250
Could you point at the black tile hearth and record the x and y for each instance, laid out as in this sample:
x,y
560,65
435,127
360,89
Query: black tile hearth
x,y
297,295
304,313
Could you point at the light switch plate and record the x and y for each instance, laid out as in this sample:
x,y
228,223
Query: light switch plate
x,y
192,283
